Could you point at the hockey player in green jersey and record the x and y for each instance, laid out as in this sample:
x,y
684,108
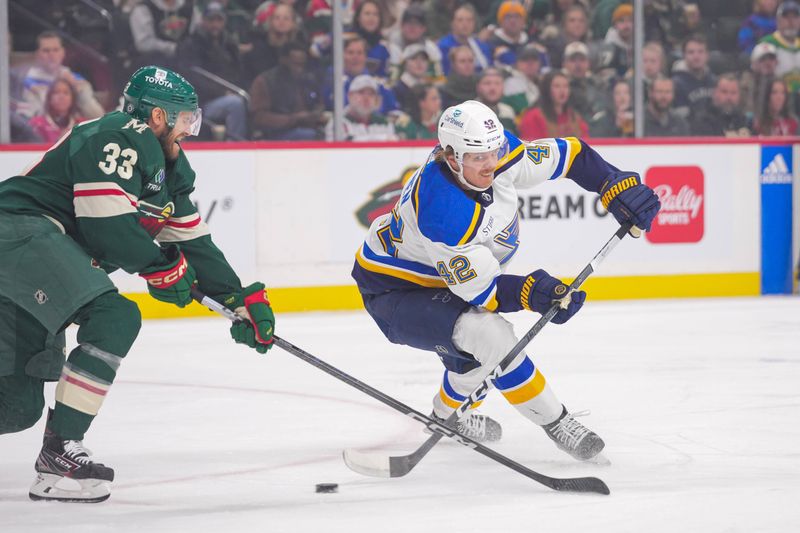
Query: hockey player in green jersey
x,y
113,193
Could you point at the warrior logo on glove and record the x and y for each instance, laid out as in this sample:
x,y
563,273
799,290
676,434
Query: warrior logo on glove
x,y
625,196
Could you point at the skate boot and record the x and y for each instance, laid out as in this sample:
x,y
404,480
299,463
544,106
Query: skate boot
x,y
573,437
476,426
66,473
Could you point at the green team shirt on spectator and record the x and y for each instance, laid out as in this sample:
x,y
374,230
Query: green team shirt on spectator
x,y
788,59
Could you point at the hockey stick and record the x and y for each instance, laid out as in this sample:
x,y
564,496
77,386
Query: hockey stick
x,y
581,484
400,465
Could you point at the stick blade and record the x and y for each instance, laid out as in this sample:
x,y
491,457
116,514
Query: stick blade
x,y
367,464
580,484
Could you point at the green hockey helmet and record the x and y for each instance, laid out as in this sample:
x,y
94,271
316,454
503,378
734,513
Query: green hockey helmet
x,y
152,86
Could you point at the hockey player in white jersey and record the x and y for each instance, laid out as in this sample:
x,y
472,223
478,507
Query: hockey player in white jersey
x,y
432,272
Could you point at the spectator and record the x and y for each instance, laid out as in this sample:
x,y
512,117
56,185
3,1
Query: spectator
x,y
489,91
554,14
722,115
48,66
415,72
460,83
211,48
355,64
653,63
60,112
617,48
756,83
362,118
660,119
424,111
239,22
510,36
413,30
462,34
574,28
440,16
588,94
758,25
367,23
617,119
276,32
602,16
285,103
554,117
157,26
319,13
695,83
774,117
787,44
521,86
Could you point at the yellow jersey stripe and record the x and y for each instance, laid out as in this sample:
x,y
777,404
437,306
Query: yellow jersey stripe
x,y
476,215
399,273
511,155
574,149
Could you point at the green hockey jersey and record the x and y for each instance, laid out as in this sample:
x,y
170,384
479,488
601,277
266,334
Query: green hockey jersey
x,y
107,184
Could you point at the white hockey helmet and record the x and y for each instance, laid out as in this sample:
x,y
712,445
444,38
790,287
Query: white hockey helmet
x,y
471,127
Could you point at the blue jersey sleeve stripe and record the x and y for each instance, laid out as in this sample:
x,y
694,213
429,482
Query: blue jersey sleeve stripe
x,y
484,296
562,156
516,377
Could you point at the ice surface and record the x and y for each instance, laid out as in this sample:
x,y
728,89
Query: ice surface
x,y
698,401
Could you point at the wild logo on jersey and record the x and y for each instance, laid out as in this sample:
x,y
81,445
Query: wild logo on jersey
x,y
383,199
153,218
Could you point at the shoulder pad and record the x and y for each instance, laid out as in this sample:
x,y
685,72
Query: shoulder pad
x,y
445,213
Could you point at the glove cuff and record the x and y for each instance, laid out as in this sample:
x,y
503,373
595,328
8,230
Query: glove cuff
x,y
168,277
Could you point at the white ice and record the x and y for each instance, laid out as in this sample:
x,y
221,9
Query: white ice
x,y
698,401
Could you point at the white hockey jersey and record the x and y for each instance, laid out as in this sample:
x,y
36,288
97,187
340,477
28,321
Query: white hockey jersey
x,y
439,235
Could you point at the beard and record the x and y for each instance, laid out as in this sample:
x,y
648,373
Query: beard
x,y
169,145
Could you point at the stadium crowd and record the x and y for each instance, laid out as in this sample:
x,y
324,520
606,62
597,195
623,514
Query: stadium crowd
x,y
263,69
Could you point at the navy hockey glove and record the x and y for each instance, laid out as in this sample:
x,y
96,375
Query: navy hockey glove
x,y
171,283
625,196
252,304
540,291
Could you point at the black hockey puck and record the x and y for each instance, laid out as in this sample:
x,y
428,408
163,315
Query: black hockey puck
x,y
327,487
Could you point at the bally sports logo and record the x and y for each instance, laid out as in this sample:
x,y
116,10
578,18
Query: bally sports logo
x,y
681,192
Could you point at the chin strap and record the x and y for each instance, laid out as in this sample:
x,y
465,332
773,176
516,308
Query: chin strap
x,y
459,174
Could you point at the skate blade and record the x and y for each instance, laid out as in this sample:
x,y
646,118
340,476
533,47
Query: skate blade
x,y
600,459
50,487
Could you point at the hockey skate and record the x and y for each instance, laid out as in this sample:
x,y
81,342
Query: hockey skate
x,y
478,427
573,437
66,473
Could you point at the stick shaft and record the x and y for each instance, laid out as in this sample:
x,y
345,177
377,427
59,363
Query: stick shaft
x,y
588,484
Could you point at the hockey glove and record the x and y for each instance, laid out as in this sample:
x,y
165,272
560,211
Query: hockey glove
x,y
540,291
172,282
252,304
625,196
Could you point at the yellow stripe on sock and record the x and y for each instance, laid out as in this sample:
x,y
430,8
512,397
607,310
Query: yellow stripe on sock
x,y
528,391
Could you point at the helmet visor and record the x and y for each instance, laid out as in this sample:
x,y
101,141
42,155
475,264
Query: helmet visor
x,y
482,160
189,121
